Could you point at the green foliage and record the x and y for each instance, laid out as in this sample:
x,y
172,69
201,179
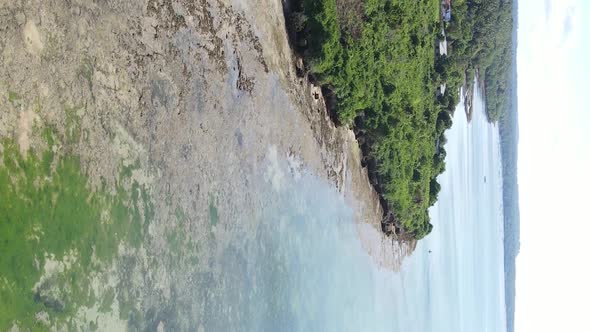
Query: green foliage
x,y
13,98
383,76
481,38
378,58
297,21
47,210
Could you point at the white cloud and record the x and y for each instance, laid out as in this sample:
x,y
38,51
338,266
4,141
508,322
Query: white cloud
x,y
553,291
568,23
547,10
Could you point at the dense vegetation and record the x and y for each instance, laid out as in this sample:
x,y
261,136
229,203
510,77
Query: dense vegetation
x,y
376,62
480,38
377,58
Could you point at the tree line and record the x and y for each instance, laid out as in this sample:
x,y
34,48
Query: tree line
x,y
377,59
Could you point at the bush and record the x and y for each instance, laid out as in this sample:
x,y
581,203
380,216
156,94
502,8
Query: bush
x,y
378,59
297,21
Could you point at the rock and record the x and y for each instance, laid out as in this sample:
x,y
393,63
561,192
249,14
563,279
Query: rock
x,y
42,317
161,327
20,18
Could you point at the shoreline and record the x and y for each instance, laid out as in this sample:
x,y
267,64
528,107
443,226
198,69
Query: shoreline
x,y
170,125
351,178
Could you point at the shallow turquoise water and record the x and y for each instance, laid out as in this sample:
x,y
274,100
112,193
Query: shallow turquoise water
x,y
305,269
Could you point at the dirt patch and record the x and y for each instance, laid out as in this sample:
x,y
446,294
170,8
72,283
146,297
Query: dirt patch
x,y
32,38
26,121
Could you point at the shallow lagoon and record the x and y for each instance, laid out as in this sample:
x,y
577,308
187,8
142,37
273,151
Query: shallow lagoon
x,y
294,261
305,268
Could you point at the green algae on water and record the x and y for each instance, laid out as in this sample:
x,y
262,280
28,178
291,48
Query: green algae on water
x,y
49,214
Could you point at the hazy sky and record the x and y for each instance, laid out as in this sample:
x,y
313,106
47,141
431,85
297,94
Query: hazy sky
x,y
553,268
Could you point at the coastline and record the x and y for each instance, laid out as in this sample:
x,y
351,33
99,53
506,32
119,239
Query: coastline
x,y
172,124
342,164
340,160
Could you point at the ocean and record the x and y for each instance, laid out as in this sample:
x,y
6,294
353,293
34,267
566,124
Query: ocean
x,y
303,268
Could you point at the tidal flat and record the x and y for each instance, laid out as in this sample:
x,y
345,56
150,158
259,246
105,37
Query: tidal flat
x,y
144,148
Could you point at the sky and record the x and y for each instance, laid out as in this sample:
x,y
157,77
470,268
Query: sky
x,y
553,267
